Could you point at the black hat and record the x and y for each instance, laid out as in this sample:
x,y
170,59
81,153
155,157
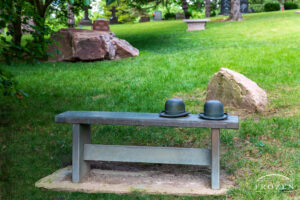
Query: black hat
x,y
174,108
213,109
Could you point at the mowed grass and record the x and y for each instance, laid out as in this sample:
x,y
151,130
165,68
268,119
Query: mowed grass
x,y
264,47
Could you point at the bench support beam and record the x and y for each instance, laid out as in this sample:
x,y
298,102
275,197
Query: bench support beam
x,y
81,136
215,158
147,154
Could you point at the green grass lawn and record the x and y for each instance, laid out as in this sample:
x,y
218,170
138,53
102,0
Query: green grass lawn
x,y
264,47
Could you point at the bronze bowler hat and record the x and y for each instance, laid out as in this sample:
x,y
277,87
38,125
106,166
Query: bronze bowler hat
x,y
213,109
174,108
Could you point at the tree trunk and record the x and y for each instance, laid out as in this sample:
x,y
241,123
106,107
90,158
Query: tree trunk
x,y
86,13
235,11
207,8
71,19
39,20
17,32
185,8
16,25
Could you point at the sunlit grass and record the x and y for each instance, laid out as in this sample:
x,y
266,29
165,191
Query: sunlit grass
x,y
172,62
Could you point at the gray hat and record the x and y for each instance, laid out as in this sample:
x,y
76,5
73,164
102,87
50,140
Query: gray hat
x,y
213,109
174,108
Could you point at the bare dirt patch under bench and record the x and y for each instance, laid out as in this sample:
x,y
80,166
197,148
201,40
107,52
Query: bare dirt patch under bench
x,y
124,178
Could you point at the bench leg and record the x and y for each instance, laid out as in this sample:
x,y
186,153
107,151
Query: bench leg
x,y
215,159
81,136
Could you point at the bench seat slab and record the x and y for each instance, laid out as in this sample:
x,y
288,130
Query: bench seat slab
x,y
143,119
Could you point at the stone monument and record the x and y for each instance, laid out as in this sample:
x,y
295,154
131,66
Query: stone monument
x,y
114,18
157,15
244,6
180,16
101,25
144,19
86,20
225,7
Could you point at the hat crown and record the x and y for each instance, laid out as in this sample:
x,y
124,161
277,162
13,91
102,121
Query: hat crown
x,y
213,108
174,106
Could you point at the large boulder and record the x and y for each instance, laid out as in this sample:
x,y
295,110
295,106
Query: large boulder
x,y
88,45
235,90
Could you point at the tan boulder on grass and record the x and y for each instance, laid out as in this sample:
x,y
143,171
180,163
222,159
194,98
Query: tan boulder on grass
x,y
235,90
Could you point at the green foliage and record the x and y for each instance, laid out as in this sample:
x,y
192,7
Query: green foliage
x,y
188,14
257,7
197,15
290,5
170,16
8,86
256,2
272,6
57,13
17,12
124,12
213,9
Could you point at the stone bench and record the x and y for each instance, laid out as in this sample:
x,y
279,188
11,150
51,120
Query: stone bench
x,y
196,24
83,150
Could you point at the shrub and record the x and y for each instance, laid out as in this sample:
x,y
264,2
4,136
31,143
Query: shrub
x,y
170,16
8,86
257,8
272,6
213,9
188,15
290,5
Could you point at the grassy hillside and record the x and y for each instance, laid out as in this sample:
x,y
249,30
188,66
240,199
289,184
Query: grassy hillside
x,y
172,62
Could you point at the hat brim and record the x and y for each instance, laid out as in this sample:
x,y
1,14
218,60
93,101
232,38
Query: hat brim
x,y
203,116
163,114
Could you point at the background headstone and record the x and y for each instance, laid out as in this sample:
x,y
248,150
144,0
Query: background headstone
x,y
114,18
244,6
157,15
225,7
281,7
180,16
144,19
101,25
